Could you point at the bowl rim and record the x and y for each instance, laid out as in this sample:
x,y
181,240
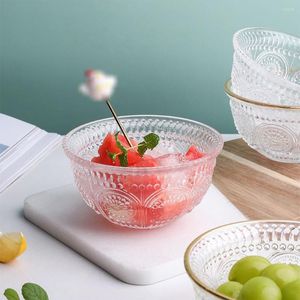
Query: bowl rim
x,y
255,65
188,251
95,166
228,90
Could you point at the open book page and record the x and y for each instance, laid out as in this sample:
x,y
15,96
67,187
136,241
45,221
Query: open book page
x,y
12,131
21,146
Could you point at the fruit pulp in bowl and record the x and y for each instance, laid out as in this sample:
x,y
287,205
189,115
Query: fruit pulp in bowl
x,y
210,257
152,192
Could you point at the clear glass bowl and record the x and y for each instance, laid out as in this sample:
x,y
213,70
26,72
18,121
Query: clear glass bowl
x,y
266,66
209,257
143,197
272,130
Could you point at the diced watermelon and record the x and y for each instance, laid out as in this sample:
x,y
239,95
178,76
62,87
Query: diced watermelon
x,y
122,139
96,159
133,157
141,186
146,161
109,145
193,153
147,186
136,180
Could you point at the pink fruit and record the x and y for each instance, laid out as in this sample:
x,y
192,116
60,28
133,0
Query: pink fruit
x,y
193,153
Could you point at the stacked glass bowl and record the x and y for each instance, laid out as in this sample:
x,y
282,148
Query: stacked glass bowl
x,y
264,92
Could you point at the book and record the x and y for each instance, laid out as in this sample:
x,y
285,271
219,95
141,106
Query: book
x,y
22,145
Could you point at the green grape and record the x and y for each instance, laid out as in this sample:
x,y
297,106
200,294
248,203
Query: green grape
x,y
291,291
260,288
281,274
247,268
297,268
230,288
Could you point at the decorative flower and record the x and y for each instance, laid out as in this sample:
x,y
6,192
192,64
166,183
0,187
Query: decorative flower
x,y
98,86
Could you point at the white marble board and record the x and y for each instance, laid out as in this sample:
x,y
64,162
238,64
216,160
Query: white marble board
x,y
134,256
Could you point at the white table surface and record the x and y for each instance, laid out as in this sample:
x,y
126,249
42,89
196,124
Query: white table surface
x,y
62,272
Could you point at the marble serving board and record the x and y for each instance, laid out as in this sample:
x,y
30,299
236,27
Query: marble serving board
x,y
134,256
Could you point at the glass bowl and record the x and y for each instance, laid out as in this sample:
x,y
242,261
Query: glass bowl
x,y
266,66
144,197
210,256
272,130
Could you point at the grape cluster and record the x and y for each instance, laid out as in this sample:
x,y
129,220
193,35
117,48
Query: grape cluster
x,y
255,278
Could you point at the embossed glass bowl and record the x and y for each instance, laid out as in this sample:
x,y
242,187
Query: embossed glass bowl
x,y
143,197
209,257
266,66
272,130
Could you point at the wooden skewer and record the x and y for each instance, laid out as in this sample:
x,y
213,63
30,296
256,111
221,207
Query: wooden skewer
x,y
118,122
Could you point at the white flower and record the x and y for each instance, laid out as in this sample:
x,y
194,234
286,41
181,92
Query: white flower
x,y
98,86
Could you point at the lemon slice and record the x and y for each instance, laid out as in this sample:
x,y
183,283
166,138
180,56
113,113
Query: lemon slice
x,y
11,246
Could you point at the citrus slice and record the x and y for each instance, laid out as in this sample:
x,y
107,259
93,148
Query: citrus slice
x,y
12,245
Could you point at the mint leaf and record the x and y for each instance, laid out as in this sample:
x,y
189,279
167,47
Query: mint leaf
x,y
151,140
123,156
119,144
112,155
123,159
11,294
32,291
142,148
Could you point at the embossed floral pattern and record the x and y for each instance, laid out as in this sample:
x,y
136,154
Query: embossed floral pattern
x,y
211,257
139,197
273,132
266,66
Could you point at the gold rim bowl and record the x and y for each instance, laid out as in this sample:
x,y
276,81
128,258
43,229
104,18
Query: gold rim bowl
x,y
196,280
228,90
